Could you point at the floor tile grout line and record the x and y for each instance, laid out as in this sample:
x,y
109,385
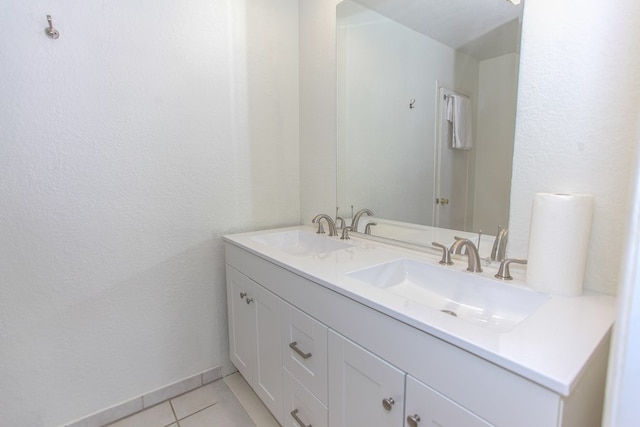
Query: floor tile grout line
x,y
170,402
199,410
175,417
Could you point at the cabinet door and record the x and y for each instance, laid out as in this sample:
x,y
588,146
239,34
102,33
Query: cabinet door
x,y
268,372
364,390
242,331
254,338
427,408
304,346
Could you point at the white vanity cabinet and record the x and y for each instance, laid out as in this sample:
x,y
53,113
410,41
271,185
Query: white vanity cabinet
x,y
317,357
254,338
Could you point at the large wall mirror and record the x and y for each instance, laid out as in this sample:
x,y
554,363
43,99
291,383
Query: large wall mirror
x,y
400,63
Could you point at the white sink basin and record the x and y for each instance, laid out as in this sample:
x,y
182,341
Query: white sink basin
x,y
300,243
492,304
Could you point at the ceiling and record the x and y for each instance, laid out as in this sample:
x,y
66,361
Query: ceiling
x,y
457,23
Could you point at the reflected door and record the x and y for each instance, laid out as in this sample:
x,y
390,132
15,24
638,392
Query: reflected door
x,y
451,174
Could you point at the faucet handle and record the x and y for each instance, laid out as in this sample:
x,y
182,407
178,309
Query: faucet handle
x,y
345,233
367,227
503,271
446,256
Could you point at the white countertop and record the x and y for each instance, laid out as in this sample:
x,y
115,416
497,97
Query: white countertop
x,y
550,347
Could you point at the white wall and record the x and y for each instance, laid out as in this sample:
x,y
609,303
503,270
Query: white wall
x,y
388,163
127,147
498,87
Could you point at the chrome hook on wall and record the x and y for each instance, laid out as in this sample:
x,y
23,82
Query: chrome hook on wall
x,y
51,32
412,103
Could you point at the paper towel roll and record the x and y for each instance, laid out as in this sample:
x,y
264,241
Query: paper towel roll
x,y
559,242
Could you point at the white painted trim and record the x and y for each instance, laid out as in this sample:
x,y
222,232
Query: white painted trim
x,y
443,90
623,385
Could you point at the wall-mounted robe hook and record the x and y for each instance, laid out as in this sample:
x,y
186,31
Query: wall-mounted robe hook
x,y
412,103
51,32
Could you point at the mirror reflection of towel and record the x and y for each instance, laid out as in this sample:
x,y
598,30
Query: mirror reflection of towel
x,y
459,114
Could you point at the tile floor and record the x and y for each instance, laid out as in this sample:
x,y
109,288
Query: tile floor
x,y
228,402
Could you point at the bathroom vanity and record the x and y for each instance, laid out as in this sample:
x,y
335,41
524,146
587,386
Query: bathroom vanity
x,y
361,333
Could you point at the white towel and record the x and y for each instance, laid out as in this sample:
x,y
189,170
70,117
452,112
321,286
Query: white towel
x,y
459,114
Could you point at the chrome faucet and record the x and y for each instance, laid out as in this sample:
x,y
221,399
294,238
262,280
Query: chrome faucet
x,y
472,254
357,216
499,249
332,226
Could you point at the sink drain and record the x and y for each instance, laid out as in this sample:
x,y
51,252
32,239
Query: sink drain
x,y
450,313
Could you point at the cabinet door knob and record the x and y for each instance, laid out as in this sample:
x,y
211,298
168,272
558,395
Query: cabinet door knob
x,y
242,295
387,403
249,300
413,420
295,416
294,347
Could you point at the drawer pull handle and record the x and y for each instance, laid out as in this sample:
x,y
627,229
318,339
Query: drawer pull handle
x,y
413,420
388,403
294,347
295,416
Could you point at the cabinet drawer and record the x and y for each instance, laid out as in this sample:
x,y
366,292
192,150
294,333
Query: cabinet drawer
x,y
425,407
304,344
301,408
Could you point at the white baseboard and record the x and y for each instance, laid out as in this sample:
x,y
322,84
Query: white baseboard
x,y
146,400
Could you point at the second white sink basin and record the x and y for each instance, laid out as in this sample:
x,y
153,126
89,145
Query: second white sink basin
x,y
300,243
492,304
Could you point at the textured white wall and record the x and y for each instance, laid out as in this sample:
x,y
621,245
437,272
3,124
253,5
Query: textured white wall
x,y
127,147
578,97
